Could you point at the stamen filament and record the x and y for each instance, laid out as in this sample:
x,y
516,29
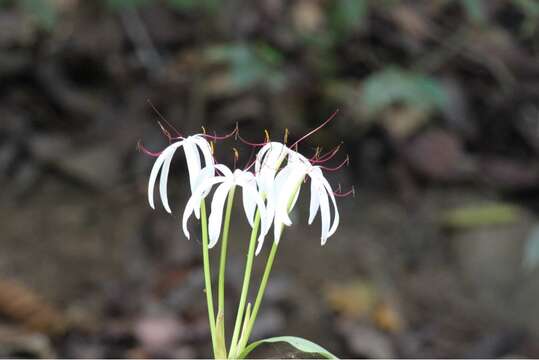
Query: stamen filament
x,y
163,118
141,147
345,162
316,129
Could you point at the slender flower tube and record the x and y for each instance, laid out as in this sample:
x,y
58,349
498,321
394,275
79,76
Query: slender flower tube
x,y
251,200
191,146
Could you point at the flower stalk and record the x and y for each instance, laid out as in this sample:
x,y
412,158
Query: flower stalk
x,y
245,287
207,274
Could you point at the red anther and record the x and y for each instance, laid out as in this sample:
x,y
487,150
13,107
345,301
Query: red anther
x,y
315,129
345,162
141,147
327,156
352,192
179,134
224,137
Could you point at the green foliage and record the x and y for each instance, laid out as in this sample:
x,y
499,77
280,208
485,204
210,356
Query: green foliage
x,y
250,65
43,11
394,85
301,344
475,10
347,15
530,9
530,258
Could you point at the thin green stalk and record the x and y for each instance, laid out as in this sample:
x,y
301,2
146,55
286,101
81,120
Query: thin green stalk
x,y
207,272
259,296
245,287
263,283
224,245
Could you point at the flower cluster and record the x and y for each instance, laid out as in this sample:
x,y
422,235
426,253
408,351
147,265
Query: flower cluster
x,y
272,188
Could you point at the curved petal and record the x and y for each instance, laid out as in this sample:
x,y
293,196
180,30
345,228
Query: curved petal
x,y
195,199
325,214
216,215
206,173
192,158
336,219
249,190
315,202
289,189
153,178
163,180
205,148
249,202
268,161
163,162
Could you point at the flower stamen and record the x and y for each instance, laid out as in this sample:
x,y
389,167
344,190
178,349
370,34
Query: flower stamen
x,y
346,162
167,133
316,129
141,147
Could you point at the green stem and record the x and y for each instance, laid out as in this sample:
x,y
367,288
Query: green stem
x,y
207,272
224,245
245,287
263,284
259,295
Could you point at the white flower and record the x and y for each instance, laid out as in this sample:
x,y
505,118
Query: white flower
x,y
268,162
190,146
285,193
251,200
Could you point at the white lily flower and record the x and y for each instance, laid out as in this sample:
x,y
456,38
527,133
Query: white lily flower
x,y
286,190
268,162
251,200
191,146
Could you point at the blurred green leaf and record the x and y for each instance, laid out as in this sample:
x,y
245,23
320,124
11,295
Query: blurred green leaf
x,y
301,344
393,85
475,9
481,215
250,64
530,258
347,15
43,11
530,9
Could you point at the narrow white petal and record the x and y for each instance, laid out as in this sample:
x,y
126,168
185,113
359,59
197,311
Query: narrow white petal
x,y
336,219
216,215
325,214
206,173
249,190
290,189
192,203
192,158
315,202
260,156
196,198
249,202
153,178
163,180
205,148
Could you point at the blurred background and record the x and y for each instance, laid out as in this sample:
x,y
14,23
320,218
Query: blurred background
x,y
439,114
